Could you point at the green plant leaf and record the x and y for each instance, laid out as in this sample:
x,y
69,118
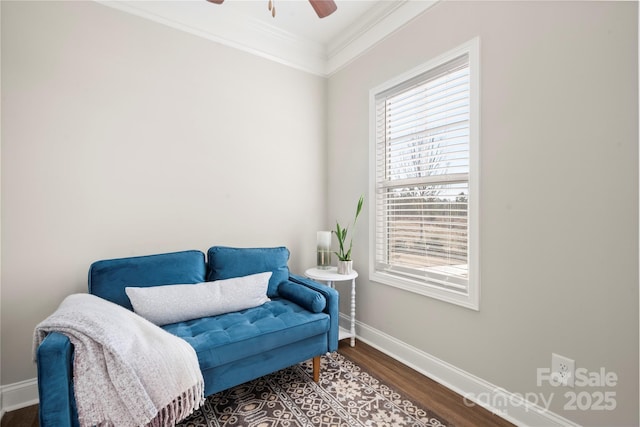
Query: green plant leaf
x,y
341,234
359,208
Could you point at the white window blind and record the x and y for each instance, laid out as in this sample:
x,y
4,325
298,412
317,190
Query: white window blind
x,y
422,129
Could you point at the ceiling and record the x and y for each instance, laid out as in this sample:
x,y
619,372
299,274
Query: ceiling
x,y
295,36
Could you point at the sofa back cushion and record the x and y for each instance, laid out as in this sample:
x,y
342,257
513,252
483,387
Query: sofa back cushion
x,y
225,262
109,278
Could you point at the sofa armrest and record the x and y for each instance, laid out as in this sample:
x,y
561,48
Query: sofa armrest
x,y
57,406
304,296
332,309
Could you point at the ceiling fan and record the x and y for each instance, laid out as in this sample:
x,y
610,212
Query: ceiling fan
x,y
323,8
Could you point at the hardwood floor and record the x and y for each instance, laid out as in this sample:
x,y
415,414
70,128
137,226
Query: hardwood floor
x,y
25,417
415,386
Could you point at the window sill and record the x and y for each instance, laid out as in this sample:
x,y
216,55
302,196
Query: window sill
x,y
463,299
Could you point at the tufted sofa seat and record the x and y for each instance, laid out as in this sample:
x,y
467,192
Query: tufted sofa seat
x,y
227,338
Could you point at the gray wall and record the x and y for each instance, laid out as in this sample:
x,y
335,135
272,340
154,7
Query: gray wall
x,y
124,137
559,200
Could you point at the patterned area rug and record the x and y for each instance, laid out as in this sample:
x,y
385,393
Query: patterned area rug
x,y
346,396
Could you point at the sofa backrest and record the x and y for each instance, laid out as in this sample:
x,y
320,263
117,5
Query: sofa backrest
x,y
225,262
108,278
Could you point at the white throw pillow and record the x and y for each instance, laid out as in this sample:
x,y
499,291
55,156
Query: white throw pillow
x,y
176,303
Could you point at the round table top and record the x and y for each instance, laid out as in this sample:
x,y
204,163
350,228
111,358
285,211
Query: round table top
x,y
330,275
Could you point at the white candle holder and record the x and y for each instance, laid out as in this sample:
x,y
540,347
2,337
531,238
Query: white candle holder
x,y
323,256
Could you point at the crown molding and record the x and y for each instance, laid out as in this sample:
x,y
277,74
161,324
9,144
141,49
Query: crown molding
x,y
239,32
376,25
269,41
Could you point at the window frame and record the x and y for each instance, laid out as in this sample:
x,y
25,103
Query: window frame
x,y
471,297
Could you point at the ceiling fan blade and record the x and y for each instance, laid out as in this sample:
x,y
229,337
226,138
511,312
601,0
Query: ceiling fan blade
x,y
216,1
323,8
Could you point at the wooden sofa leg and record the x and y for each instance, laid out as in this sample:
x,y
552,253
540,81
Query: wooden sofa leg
x,y
316,369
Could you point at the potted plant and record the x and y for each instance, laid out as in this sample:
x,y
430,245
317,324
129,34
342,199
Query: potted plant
x,y
345,263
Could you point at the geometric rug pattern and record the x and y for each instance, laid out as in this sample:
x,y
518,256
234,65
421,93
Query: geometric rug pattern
x,y
346,396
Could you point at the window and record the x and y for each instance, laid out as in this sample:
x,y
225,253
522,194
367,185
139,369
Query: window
x,y
424,154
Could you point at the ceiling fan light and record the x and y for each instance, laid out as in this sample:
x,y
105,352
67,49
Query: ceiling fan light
x,y
323,8
216,1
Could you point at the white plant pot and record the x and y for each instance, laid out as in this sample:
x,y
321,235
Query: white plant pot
x,y
345,267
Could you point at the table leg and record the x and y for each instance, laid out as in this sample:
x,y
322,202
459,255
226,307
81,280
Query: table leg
x,y
353,313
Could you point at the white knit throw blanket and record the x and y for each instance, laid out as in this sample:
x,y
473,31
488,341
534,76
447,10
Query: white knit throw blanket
x,y
127,371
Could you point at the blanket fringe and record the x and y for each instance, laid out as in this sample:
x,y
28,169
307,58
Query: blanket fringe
x,y
180,408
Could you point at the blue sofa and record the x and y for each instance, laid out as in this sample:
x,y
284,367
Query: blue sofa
x,y
299,323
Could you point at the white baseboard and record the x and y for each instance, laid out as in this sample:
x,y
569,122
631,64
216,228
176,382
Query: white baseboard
x,y
18,395
513,407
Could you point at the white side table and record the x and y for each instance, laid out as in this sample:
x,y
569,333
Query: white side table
x,y
330,276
